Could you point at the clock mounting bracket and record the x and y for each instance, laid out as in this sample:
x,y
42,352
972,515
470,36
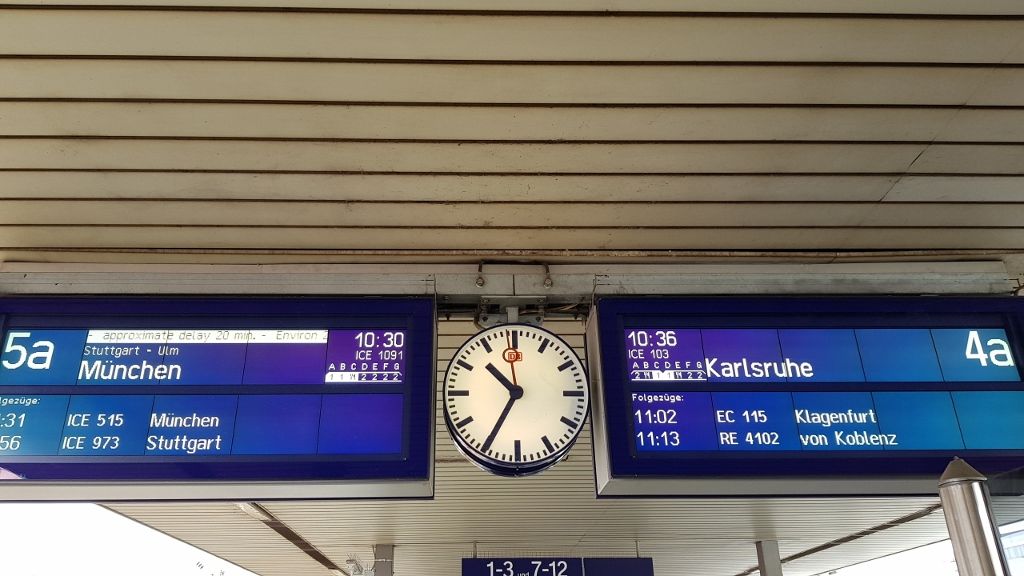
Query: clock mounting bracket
x,y
493,311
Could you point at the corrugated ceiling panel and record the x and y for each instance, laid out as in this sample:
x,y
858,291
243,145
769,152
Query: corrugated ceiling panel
x,y
518,214
966,7
382,36
483,241
212,101
467,113
447,157
496,188
444,123
549,84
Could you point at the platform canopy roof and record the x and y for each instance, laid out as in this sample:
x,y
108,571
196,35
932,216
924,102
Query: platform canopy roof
x,y
571,131
451,130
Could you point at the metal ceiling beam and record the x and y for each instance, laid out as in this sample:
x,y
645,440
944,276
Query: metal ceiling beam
x,y
454,283
257,512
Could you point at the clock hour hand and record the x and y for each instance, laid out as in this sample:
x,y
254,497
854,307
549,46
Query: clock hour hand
x,y
497,425
512,388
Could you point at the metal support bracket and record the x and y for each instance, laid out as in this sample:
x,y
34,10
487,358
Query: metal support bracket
x,y
510,309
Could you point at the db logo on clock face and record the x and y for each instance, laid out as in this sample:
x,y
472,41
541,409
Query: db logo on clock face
x,y
515,398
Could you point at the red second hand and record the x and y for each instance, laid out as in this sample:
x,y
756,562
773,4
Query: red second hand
x,y
511,363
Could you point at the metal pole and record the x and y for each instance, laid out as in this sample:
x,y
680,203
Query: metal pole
x,y
768,561
972,527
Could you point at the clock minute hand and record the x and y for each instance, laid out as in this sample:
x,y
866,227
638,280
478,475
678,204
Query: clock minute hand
x,y
501,378
497,425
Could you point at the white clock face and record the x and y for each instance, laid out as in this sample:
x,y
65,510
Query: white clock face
x,y
515,398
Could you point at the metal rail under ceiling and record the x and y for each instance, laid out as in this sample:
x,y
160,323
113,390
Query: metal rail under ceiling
x,y
558,284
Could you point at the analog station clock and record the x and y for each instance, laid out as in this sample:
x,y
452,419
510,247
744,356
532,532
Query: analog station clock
x,y
515,399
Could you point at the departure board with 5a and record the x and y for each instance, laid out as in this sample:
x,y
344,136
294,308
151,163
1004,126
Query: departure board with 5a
x,y
308,390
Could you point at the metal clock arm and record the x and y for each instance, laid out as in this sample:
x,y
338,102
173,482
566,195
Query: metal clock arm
x,y
497,425
501,378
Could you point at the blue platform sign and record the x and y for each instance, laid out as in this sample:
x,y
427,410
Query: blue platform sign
x,y
226,398
849,395
557,567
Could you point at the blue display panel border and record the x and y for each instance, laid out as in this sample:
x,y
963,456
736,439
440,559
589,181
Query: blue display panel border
x,y
621,471
321,475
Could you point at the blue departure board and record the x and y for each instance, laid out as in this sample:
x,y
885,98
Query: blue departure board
x,y
295,393
864,395
557,566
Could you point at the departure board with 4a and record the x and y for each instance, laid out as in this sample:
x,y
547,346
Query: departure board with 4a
x,y
843,389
